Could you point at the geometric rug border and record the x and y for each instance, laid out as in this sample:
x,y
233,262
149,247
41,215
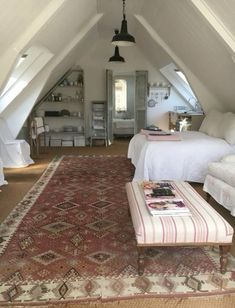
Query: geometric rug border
x,y
106,289
22,208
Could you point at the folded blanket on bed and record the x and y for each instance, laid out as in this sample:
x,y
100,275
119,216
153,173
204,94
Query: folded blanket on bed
x,y
160,136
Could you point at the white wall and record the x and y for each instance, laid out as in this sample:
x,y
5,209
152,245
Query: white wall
x,y
95,63
94,87
158,115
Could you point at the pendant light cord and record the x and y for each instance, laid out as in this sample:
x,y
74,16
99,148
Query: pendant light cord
x,y
123,10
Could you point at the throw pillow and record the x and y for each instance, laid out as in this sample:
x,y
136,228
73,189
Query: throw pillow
x,y
211,125
229,128
228,158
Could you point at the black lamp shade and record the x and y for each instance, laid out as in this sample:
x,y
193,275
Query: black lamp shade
x,y
123,38
116,57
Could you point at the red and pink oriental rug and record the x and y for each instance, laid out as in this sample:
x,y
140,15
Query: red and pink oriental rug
x,y
71,239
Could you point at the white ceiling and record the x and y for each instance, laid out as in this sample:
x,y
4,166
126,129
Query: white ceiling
x,y
167,31
112,10
16,16
225,10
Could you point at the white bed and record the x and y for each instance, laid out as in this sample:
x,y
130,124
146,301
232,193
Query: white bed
x,y
185,160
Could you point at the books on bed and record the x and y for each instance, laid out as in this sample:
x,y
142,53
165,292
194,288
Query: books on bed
x,y
160,135
155,132
163,200
153,128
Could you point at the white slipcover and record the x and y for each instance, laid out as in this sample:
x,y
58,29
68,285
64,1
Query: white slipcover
x,y
14,153
2,180
220,182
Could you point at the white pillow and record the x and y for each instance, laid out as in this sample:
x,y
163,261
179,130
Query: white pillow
x,y
211,124
229,127
228,158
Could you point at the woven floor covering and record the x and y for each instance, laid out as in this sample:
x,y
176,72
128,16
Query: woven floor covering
x,y
71,240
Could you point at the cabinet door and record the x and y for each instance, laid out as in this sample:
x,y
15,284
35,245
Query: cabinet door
x,y
140,99
109,95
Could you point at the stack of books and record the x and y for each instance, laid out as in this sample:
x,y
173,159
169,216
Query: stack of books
x,y
162,199
153,128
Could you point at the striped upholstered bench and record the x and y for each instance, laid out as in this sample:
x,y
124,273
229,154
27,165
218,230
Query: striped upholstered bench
x,y
204,227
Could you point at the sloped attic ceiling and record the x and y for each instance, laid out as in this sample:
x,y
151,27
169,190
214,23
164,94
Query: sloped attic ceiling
x,y
203,54
15,19
59,26
225,11
53,24
21,21
196,42
188,37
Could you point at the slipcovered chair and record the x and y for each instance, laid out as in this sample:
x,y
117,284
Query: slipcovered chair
x,y
2,180
37,129
220,182
13,152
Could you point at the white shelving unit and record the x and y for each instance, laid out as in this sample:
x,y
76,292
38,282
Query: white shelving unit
x,y
63,111
98,121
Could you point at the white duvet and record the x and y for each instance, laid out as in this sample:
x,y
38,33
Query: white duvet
x,y
185,160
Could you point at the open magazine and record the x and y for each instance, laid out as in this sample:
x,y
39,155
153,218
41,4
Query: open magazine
x,y
162,199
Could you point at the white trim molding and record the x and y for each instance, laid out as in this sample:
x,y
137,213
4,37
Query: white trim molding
x,y
216,23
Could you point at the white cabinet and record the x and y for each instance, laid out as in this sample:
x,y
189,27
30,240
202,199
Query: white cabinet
x,y
98,121
63,111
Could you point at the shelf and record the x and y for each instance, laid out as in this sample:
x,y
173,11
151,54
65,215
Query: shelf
x,y
65,117
98,119
62,132
74,101
98,122
98,137
75,86
63,108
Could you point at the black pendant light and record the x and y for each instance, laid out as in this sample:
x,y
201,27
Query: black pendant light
x,y
116,57
123,38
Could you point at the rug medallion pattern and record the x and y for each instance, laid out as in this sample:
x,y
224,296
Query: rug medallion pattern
x,y
71,238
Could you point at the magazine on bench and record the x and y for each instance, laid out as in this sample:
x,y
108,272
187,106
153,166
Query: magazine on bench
x,y
162,199
160,192
168,208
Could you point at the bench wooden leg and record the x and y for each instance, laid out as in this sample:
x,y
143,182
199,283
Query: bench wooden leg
x,y
223,258
141,256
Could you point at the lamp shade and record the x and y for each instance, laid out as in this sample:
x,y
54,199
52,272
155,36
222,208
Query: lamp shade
x,y
123,38
116,57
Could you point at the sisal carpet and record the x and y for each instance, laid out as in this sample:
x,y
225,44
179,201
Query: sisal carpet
x,y
71,240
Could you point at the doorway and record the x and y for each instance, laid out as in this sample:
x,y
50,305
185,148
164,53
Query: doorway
x,y
130,117
123,105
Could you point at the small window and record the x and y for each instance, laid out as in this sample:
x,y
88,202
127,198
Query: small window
x,y
181,75
27,67
120,95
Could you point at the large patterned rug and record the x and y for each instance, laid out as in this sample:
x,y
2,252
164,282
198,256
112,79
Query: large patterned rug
x,y
71,239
